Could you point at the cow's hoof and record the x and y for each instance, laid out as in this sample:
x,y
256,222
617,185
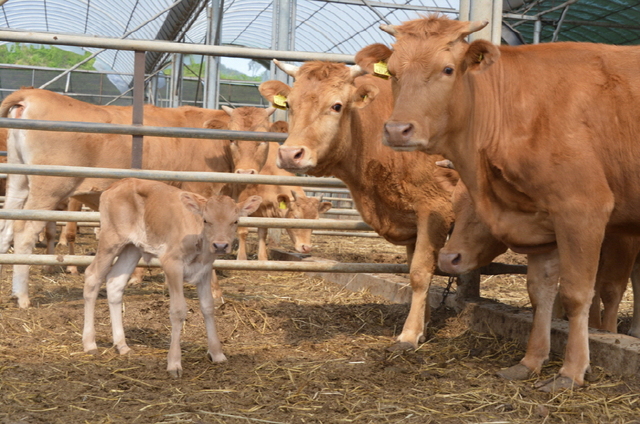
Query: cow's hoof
x,y
93,352
555,384
516,372
401,347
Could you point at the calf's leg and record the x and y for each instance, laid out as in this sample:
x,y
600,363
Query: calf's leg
x,y
207,308
177,312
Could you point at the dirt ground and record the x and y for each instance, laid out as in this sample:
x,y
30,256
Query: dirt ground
x,y
300,350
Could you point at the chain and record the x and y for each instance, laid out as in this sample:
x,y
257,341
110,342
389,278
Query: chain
x,y
447,290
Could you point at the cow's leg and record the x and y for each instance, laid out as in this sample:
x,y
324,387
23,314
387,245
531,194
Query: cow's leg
x,y
242,243
95,274
542,285
116,282
635,284
263,252
177,312
16,197
43,195
579,234
208,308
216,290
50,230
422,260
69,233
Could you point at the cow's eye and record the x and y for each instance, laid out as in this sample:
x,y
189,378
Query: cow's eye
x,y
448,70
337,107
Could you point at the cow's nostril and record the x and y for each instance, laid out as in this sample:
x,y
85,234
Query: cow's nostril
x,y
407,130
456,260
299,154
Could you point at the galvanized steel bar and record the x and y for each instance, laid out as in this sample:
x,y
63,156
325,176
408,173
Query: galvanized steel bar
x,y
333,224
213,177
138,108
102,128
292,266
166,46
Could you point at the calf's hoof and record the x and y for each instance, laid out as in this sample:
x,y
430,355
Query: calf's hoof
x,y
175,373
516,372
123,350
217,358
556,383
401,347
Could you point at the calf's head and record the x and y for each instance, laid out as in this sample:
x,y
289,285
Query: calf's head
x,y
320,105
220,215
471,244
302,207
248,157
427,65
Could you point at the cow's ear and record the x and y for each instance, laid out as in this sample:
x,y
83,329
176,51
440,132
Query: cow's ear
x,y
370,55
250,205
216,123
446,178
364,95
480,55
193,202
324,206
268,89
279,127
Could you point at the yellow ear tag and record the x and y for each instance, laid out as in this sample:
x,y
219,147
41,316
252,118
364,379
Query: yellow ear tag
x,y
380,70
480,57
283,205
280,101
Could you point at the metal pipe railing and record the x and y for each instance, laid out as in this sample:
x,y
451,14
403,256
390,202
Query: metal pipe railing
x,y
334,224
166,47
212,177
295,266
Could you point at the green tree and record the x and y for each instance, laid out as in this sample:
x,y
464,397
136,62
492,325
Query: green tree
x,y
45,56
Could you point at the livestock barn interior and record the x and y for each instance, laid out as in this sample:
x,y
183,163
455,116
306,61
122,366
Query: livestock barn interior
x,y
306,341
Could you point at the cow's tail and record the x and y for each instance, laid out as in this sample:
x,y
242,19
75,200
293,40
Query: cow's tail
x,y
13,105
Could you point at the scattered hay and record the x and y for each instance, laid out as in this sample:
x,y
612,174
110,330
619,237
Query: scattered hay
x,y
300,349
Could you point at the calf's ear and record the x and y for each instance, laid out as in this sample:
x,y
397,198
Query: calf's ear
x,y
216,124
279,127
364,95
370,55
480,55
250,205
268,89
324,206
284,201
193,202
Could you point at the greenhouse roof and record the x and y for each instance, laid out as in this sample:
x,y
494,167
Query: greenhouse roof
x,y
332,26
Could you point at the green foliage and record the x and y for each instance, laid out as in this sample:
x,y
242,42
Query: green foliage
x,y
50,57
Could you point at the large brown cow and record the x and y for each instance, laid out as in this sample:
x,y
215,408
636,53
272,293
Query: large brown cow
x,y
545,139
183,230
331,132
97,150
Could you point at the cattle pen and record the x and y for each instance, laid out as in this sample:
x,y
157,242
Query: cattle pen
x,y
305,368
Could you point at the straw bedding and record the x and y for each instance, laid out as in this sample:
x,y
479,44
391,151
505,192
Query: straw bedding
x,y
300,349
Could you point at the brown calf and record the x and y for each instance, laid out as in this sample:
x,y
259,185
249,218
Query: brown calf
x,y
146,219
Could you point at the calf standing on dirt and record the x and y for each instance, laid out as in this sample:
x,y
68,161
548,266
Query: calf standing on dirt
x,y
184,230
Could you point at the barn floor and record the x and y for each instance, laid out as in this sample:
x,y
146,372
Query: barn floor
x,y
300,349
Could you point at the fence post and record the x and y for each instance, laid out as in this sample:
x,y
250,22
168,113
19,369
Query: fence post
x,y
138,108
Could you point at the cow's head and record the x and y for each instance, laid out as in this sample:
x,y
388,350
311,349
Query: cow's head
x,y
248,157
300,206
220,215
471,244
320,105
427,65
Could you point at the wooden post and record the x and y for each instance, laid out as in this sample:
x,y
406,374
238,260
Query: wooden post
x,y
138,108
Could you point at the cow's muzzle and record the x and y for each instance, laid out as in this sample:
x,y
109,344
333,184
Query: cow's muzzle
x,y
398,135
294,158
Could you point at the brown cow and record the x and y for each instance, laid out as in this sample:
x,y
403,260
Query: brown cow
x,y
184,230
277,203
549,165
332,133
99,150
